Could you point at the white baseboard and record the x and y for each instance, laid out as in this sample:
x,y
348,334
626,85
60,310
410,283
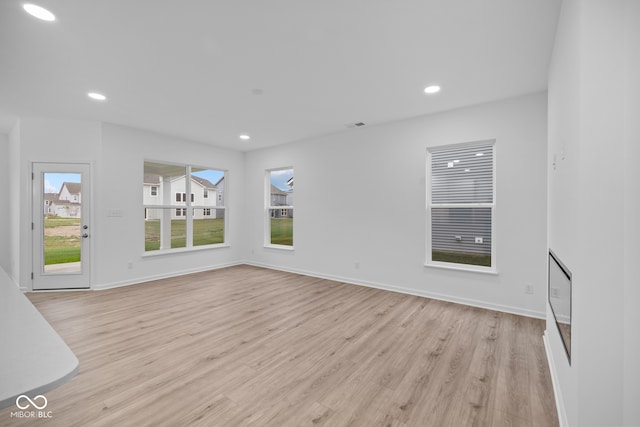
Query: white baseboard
x,y
5,277
352,281
409,291
139,280
562,413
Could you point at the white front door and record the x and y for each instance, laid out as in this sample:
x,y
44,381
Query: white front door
x,y
61,226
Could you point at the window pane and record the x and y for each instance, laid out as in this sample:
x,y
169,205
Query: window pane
x,y
164,229
204,184
208,226
169,181
62,238
281,184
461,235
281,227
462,174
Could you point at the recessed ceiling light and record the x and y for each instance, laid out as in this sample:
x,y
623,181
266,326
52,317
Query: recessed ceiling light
x,y
432,89
244,137
97,96
39,12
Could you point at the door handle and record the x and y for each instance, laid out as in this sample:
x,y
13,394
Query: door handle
x,y
85,235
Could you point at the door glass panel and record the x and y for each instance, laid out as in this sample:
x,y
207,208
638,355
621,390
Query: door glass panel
x,y
62,240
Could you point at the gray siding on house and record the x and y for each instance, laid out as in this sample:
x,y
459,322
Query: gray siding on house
x,y
277,213
219,195
280,198
468,223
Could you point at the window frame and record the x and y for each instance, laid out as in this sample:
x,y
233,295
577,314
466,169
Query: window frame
x,y
269,208
429,262
187,214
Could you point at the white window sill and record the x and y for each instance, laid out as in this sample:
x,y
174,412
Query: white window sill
x,y
280,247
461,267
183,250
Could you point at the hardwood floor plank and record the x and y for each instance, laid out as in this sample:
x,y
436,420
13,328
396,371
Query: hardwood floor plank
x,y
246,346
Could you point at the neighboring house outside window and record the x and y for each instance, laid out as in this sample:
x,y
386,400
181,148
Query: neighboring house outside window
x,y
201,219
65,203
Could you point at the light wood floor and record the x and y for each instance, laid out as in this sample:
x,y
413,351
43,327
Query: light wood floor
x,y
249,346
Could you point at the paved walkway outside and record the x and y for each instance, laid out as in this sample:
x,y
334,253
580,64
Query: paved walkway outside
x,y
68,267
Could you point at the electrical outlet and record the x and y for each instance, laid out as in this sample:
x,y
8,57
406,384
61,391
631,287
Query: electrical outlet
x,y
130,265
357,265
528,289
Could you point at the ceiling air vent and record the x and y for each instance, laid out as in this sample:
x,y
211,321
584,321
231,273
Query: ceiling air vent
x,y
355,125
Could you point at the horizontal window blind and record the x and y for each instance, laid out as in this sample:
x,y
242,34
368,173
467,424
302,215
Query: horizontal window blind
x,y
462,175
456,229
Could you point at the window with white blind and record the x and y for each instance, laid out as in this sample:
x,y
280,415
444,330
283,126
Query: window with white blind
x,y
461,205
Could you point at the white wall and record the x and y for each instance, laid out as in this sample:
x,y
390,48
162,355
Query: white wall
x,y
564,151
117,155
121,239
360,198
47,140
631,413
593,210
14,208
4,195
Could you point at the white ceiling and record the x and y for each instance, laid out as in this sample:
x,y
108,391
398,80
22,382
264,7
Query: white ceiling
x,y
190,68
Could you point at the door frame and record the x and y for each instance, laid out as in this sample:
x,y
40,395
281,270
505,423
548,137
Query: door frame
x,y
60,281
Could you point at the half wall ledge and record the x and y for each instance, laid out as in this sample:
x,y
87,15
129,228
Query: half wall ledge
x,y
34,359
